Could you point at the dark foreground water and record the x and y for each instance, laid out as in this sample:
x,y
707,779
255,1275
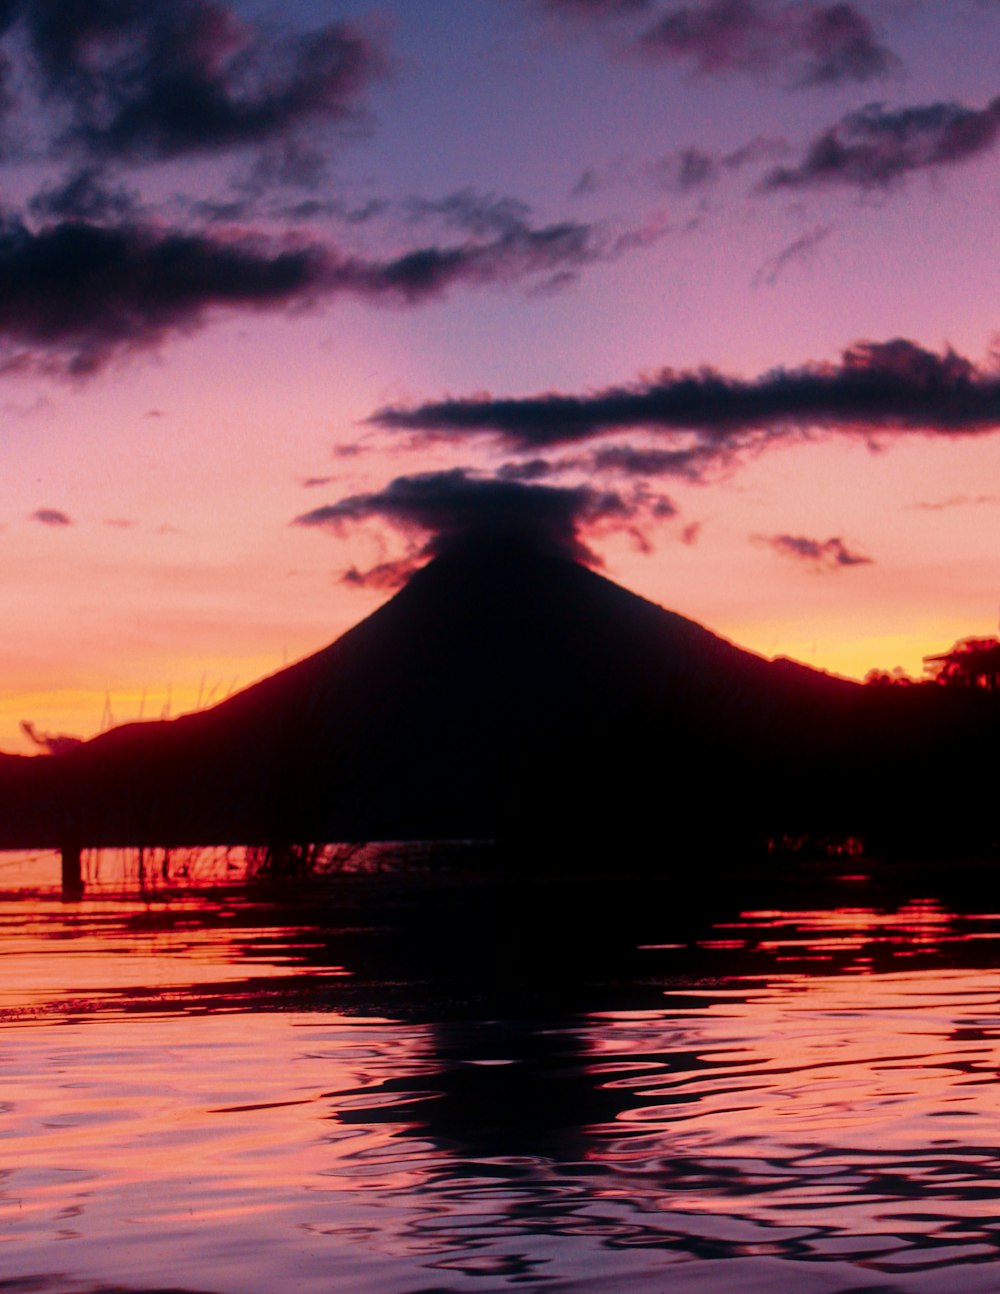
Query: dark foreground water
x,y
439,1080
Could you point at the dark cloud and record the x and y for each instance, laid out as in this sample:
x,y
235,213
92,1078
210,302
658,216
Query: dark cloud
x,y
813,44
631,460
594,8
503,244
641,462
840,45
718,36
154,79
8,102
347,213
686,170
524,251
478,213
51,517
533,469
707,418
9,10
456,509
827,555
481,238
877,146
498,231
694,168
217,211
74,294
84,195
638,461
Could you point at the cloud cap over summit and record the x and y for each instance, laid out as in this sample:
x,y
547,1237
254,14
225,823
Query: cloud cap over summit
x,y
455,510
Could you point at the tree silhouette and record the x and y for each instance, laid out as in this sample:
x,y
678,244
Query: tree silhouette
x,y
971,663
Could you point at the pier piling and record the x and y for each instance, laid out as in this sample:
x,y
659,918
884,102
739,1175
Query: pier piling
x,y
72,874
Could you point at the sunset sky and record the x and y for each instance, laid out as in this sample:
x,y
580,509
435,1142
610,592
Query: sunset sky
x,y
291,292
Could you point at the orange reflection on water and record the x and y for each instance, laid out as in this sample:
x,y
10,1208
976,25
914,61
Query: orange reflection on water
x,y
919,923
72,960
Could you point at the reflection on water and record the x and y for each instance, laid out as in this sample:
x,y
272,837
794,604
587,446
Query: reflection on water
x,y
445,1081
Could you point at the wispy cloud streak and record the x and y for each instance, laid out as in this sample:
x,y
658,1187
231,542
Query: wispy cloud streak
x,y
824,555
54,518
879,146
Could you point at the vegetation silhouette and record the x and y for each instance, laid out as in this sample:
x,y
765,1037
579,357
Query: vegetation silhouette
x,y
972,662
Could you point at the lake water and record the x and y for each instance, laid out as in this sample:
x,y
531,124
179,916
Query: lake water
x,y
418,1077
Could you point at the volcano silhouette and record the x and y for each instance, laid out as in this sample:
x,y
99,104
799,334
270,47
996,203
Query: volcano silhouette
x,y
501,694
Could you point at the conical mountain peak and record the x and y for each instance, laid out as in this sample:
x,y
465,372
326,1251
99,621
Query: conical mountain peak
x,y
496,683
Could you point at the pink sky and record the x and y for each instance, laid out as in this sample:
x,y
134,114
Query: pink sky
x,y
510,198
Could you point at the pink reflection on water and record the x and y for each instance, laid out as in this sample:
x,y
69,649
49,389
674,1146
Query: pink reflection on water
x,y
121,1144
170,1111
851,1113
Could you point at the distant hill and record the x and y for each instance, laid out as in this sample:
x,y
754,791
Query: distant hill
x,y
500,694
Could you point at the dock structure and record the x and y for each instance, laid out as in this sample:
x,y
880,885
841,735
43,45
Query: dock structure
x,y
72,872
